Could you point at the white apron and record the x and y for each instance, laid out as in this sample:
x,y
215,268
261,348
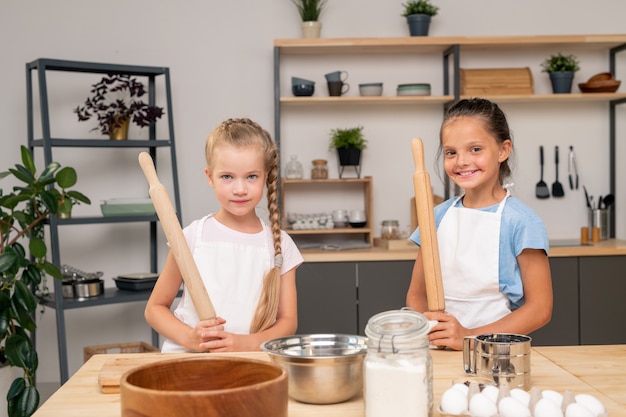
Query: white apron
x,y
469,249
233,276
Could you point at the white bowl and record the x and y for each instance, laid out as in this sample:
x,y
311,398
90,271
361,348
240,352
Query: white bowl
x,y
371,89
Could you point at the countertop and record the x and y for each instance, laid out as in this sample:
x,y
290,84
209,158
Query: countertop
x,y
558,248
596,370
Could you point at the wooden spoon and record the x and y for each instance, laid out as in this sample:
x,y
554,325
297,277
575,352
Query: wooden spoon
x,y
176,239
428,231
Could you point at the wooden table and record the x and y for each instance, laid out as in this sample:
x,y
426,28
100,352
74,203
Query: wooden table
x,y
596,370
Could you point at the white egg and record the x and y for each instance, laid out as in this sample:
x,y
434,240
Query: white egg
x,y
491,391
557,397
578,410
521,395
547,408
454,401
462,387
511,407
591,403
481,406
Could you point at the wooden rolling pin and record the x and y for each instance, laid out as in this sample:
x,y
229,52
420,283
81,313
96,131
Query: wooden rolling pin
x,y
176,239
428,231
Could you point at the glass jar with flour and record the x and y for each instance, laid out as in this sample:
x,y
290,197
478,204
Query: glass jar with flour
x,y
398,367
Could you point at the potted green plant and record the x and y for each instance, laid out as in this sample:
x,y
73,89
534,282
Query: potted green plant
x,y
561,69
349,144
310,11
115,113
418,15
23,267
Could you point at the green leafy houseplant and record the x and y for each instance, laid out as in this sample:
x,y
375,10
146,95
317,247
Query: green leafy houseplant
x,y
23,266
560,63
111,113
419,7
348,139
349,144
310,10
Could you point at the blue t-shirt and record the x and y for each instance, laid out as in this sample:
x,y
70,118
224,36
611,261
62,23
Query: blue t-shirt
x,y
521,228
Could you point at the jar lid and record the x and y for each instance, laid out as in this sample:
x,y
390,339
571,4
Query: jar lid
x,y
390,223
397,330
319,162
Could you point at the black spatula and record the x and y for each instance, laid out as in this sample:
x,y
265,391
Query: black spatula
x,y
542,191
557,187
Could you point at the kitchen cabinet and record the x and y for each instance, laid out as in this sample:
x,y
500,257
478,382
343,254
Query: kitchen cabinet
x,y
602,300
327,298
563,327
382,287
451,50
340,297
36,78
363,185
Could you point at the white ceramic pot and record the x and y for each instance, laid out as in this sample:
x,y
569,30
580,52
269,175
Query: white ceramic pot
x,y
311,29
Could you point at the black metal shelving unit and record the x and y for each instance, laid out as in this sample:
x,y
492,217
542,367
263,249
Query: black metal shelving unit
x,y
47,143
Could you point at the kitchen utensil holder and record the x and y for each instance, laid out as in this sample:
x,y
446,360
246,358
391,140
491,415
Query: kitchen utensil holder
x,y
598,218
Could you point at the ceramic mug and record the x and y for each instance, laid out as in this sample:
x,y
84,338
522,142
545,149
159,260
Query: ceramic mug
x,y
501,357
336,76
337,88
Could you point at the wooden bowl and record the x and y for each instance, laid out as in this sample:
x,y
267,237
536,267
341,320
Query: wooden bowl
x,y
602,76
606,86
206,387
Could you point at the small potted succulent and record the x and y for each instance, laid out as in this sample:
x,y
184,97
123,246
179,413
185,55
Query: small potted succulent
x,y
349,144
310,11
418,15
115,113
561,69
24,265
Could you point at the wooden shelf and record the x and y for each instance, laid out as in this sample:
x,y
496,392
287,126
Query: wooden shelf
x,y
429,44
553,98
426,100
429,100
365,182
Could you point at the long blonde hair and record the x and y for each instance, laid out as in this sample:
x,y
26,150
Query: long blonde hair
x,y
245,132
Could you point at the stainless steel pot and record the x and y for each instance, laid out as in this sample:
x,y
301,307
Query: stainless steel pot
x,y
68,288
88,288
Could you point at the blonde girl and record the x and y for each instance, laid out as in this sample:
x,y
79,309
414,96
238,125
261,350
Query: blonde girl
x,y
248,267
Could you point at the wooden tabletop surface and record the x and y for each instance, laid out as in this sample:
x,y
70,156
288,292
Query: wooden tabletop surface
x,y
558,248
595,370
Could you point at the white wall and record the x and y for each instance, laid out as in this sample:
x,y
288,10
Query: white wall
x,y
220,57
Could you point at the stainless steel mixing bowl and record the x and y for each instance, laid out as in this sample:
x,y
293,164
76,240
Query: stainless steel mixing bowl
x,y
323,368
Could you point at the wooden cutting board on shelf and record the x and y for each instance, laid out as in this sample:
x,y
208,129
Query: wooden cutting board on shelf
x,y
110,374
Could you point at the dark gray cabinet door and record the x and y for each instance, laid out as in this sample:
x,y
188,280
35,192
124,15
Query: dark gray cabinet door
x,y
382,287
602,300
563,327
327,298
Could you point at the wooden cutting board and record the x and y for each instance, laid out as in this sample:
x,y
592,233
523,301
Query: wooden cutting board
x,y
112,370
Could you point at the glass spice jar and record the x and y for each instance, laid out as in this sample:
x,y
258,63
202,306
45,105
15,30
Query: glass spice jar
x,y
398,366
390,229
293,170
319,170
